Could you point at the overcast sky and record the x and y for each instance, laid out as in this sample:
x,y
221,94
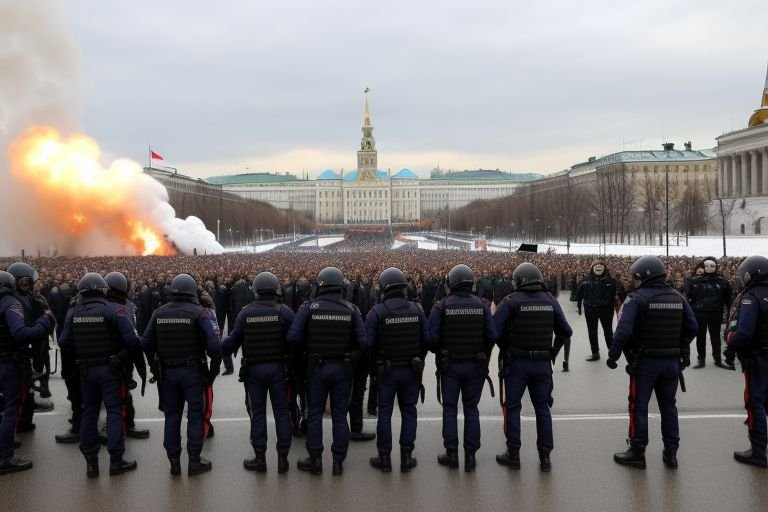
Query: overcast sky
x,y
236,85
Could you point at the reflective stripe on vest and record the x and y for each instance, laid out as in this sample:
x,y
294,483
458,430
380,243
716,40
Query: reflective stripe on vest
x,y
263,337
399,335
660,324
532,326
178,335
329,329
462,329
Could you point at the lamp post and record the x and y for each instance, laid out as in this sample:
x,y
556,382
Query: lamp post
x,y
668,146
218,227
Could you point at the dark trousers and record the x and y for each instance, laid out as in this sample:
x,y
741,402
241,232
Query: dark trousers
x,y
467,378
755,393
604,315
659,375
11,384
71,377
708,321
359,383
100,384
401,383
536,376
181,385
329,379
269,378
130,410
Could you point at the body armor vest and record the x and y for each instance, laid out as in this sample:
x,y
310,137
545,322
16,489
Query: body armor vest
x,y
760,339
92,334
178,337
263,335
399,335
660,324
330,328
6,340
532,326
462,328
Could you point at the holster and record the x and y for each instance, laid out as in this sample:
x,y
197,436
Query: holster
x,y
349,366
243,373
482,363
417,364
313,361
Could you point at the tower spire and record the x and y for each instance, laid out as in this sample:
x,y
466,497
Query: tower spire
x,y
764,104
366,157
367,115
761,115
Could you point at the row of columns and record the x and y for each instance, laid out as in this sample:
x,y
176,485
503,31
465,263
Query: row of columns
x,y
743,174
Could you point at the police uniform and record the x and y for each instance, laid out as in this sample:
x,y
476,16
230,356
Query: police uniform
x,y
332,332
708,295
526,320
177,339
95,332
748,338
260,329
461,328
15,336
398,337
655,328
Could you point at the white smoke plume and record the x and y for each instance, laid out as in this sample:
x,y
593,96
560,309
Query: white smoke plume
x,y
41,84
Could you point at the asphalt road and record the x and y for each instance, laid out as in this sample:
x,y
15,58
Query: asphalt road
x,y
590,423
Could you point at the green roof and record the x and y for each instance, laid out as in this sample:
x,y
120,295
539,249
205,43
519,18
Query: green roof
x,y
485,175
253,177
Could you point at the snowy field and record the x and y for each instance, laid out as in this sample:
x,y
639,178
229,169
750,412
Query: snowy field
x,y
323,241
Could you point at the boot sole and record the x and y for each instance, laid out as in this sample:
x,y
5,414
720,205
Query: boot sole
x,y
8,471
115,472
636,465
752,462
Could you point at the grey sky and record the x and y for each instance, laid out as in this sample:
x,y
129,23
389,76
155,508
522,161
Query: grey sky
x,y
221,87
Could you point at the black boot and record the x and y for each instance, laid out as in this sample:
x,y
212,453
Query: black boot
x,y
634,457
258,463
69,437
312,464
545,465
11,464
751,457
510,458
670,458
699,364
198,465
407,462
282,463
594,357
175,465
362,436
92,466
450,458
383,462
470,462
338,468
137,433
120,466
565,366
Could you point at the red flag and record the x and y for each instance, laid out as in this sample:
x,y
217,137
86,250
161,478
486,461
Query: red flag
x,y
155,156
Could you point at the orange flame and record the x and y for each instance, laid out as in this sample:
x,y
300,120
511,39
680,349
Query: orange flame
x,y
78,196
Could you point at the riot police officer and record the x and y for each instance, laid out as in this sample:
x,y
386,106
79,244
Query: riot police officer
x,y
176,341
526,320
655,329
34,306
598,292
748,338
462,330
15,337
101,336
333,335
260,329
398,337
117,292
709,295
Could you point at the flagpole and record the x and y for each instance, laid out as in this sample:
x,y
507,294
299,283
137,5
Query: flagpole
x,y
150,156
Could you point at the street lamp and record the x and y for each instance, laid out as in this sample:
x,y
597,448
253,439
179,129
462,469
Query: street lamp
x,y
218,226
668,146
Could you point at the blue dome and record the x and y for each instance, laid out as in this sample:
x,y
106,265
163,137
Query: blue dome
x,y
329,175
405,174
352,175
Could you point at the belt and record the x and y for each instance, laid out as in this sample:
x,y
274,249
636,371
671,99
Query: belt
x,y
181,363
90,363
531,354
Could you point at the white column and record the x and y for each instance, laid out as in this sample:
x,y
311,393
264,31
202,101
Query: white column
x,y
728,185
744,186
753,168
765,171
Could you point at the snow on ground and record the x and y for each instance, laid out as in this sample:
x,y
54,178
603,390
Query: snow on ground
x,y
323,241
255,248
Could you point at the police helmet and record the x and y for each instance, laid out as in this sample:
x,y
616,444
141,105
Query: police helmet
x,y
265,282
527,274
92,282
646,268
117,282
329,277
460,275
184,285
752,269
20,270
7,280
392,278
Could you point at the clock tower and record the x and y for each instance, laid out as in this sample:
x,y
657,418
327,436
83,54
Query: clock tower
x,y
366,157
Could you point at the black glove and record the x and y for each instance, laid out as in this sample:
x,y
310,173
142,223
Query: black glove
x,y
579,310
730,356
40,302
611,363
685,362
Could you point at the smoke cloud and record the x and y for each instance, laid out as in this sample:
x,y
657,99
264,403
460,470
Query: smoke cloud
x,y
41,85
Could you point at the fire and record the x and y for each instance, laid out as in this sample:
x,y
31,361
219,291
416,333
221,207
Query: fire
x,y
80,197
